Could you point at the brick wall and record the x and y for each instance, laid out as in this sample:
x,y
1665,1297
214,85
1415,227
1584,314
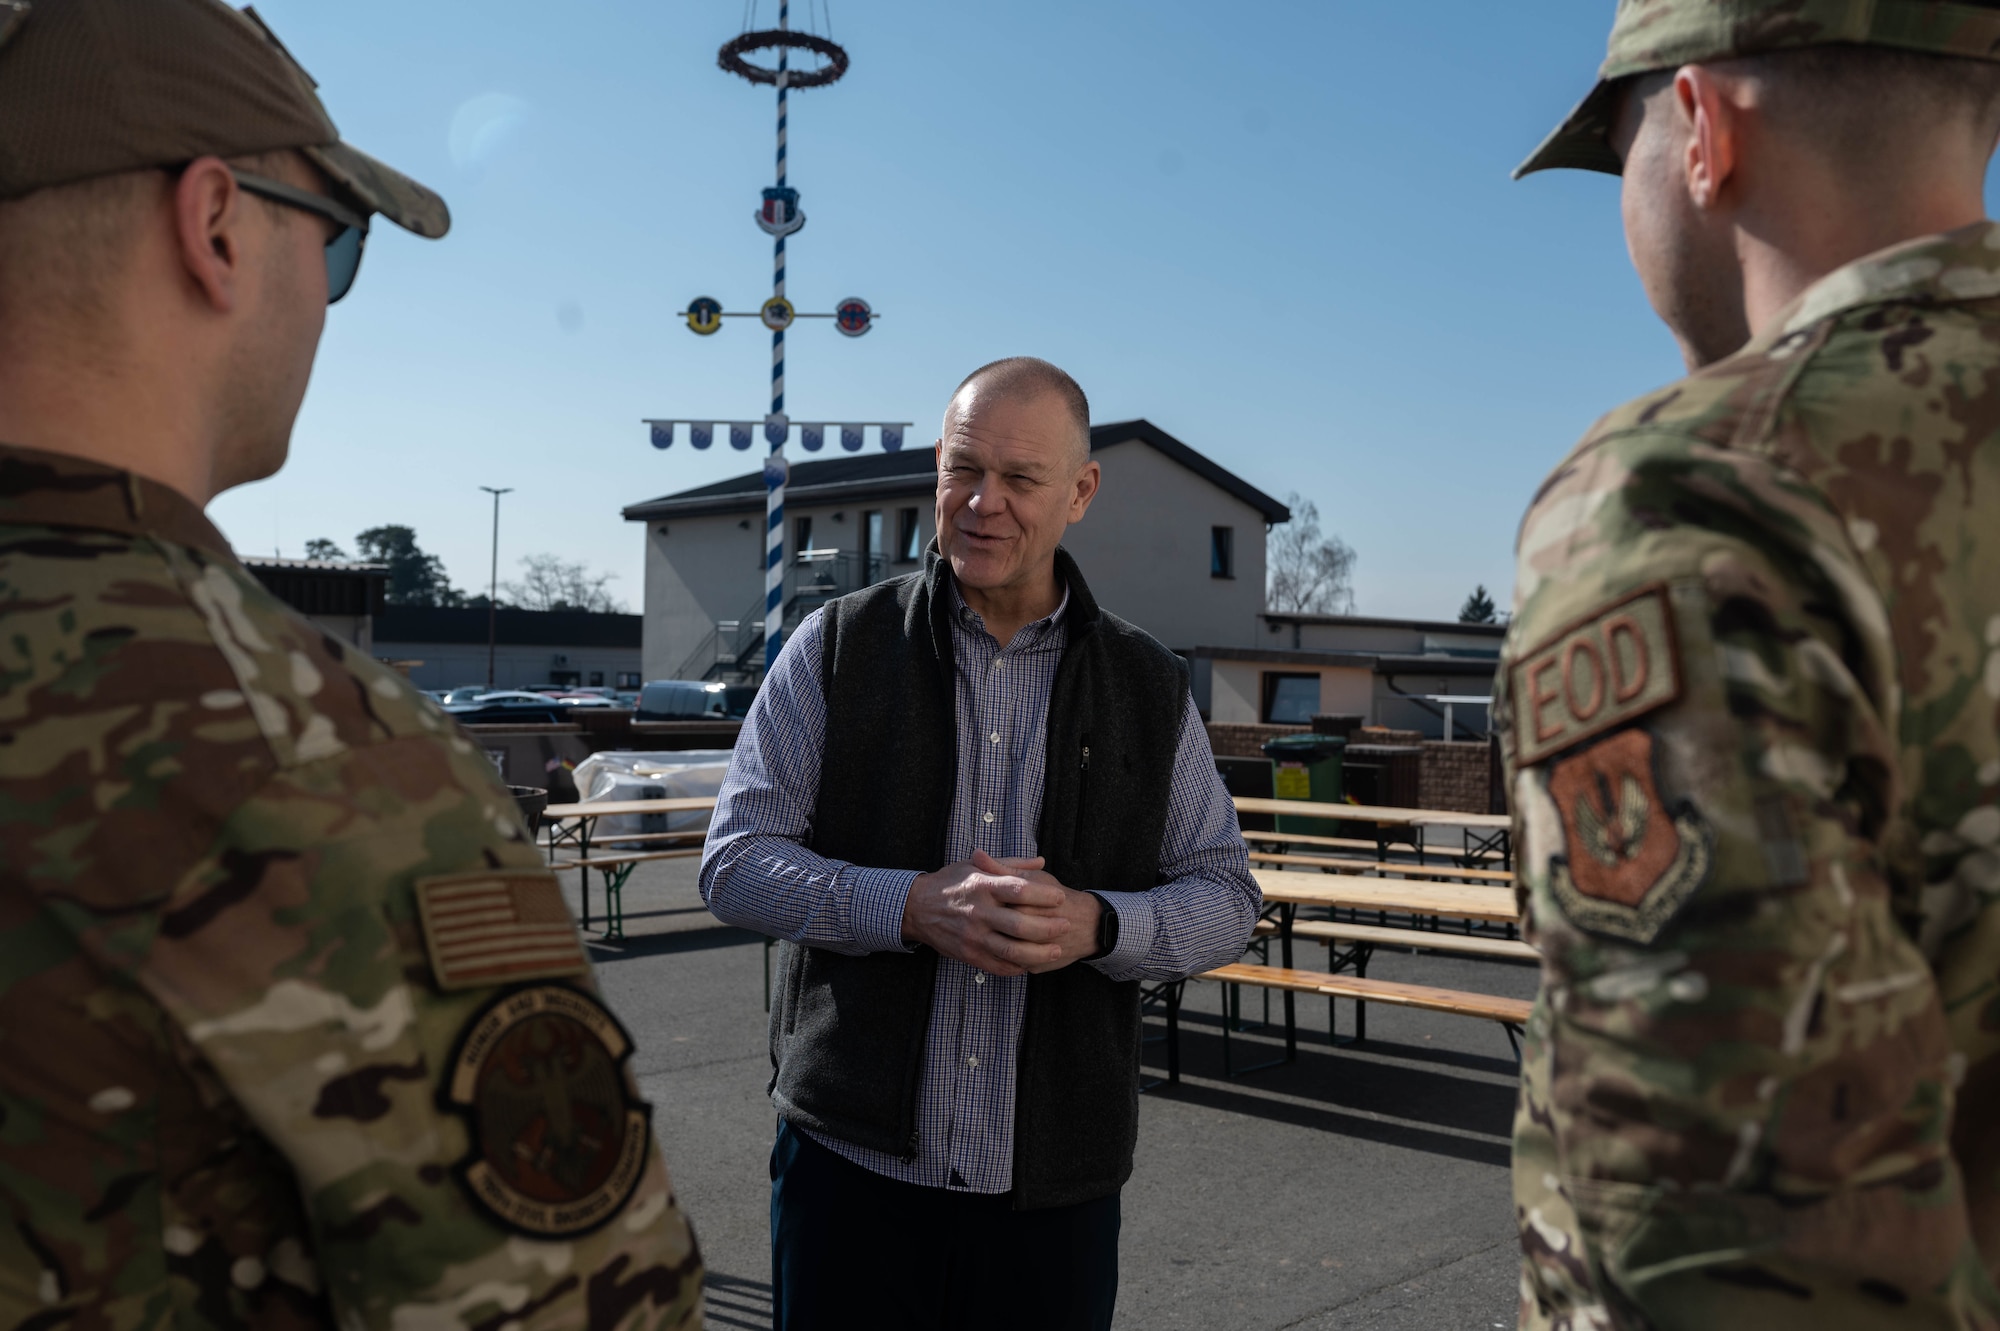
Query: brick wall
x,y
1239,741
1455,777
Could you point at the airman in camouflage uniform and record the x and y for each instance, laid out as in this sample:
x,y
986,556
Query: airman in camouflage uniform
x,y
1750,704
295,1027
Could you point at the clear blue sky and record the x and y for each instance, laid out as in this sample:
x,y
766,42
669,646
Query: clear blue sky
x,y
1282,232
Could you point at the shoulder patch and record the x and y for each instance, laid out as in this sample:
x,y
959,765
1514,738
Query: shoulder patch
x,y
559,1139
498,926
1600,672
1629,863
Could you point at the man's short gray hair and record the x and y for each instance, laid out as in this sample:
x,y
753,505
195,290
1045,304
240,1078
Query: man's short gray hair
x,y
1022,377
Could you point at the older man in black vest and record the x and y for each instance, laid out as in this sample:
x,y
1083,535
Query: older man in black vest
x,y
979,810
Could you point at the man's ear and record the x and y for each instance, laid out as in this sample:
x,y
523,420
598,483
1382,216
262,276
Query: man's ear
x,y
209,213
1713,125
1086,489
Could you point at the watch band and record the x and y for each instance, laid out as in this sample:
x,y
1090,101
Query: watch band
x,y
1107,929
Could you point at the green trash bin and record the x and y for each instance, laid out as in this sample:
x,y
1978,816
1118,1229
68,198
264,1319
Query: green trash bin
x,y
1307,767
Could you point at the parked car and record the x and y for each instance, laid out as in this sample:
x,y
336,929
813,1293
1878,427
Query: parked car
x,y
461,694
737,699
489,711
682,700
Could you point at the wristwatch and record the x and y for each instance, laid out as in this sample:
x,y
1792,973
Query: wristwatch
x,y
1107,929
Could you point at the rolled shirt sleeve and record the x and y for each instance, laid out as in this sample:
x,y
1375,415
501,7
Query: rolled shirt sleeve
x,y
1202,913
757,871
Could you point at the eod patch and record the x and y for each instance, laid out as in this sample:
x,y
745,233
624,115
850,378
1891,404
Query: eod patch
x,y
559,1141
1595,675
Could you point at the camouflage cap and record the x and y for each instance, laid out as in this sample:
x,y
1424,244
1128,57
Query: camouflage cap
x,y
1649,35
94,87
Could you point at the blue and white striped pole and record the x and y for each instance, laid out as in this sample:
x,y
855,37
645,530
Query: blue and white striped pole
x,y
776,428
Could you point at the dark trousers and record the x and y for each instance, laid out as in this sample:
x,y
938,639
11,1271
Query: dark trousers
x,y
850,1248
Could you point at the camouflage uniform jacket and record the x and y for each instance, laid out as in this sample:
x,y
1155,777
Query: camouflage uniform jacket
x,y
251,1071
1748,704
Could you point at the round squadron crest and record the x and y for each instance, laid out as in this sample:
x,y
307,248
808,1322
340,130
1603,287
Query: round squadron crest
x,y
559,1141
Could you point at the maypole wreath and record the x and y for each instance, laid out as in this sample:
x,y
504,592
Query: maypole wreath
x,y
730,58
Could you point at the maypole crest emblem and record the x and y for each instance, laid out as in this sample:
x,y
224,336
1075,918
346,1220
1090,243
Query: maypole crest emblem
x,y
780,215
853,317
704,315
777,314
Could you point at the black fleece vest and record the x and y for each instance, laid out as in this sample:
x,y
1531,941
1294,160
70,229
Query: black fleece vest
x,y
847,1033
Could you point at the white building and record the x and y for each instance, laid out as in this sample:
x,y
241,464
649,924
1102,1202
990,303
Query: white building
x,y
1391,672
1173,543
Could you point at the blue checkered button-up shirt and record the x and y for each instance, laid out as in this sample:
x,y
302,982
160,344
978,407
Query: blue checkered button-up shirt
x,y
758,873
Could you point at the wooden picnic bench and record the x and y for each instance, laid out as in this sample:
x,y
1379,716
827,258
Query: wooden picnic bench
x,y
1285,892
1489,830
574,824
1343,843
1335,864
1511,1013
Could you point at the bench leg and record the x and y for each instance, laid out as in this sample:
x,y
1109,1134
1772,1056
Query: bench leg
x,y
1170,994
1513,1040
614,900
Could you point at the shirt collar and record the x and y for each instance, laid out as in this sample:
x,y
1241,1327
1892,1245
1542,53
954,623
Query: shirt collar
x,y
54,490
1956,266
1031,635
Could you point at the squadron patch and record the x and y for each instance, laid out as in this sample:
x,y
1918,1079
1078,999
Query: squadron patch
x,y
559,1141
1630,863
1594,676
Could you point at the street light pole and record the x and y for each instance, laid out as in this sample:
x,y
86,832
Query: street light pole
x,y
493,584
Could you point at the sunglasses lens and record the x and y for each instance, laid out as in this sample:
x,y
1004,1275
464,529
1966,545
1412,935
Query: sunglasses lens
x,y
343,261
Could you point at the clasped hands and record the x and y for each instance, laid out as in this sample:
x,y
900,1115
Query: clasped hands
x,y
1002,916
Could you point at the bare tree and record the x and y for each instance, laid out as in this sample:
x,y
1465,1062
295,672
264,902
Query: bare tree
x,y
1309,573
547,583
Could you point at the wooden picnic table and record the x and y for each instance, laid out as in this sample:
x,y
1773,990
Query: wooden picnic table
x,y
1339,891
1492,830
1284,892
582,819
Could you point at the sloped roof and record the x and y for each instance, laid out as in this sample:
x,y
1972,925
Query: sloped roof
x,y
914,471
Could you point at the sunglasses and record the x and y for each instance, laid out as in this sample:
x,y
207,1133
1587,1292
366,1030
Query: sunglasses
x,y
343,250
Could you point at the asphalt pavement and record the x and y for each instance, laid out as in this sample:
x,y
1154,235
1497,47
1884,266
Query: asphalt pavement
x,y
1361,1187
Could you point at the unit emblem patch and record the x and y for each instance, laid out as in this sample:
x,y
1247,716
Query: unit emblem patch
x,y
559,1141
1630,863
1594,676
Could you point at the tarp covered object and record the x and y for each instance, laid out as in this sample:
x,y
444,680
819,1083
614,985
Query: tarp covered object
x,y
625,775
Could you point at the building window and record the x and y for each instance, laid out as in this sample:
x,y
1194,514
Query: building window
x,y
802,535
1221,552
909,537
628,679
1290,699
597,679
872,552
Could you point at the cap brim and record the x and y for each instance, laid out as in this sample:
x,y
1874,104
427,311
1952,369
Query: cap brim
x,y
1583,141
383,189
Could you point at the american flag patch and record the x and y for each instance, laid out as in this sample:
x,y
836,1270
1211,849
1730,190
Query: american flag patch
x,y
498,927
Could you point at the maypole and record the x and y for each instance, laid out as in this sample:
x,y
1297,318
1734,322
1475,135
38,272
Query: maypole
x,y
776,427
779,217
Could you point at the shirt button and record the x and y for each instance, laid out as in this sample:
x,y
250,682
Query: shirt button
x,y
979,977
995,737
988,815
998,664
972,1061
